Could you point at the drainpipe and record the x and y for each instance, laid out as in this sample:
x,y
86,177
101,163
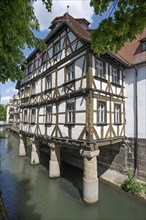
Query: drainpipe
x,y
136,125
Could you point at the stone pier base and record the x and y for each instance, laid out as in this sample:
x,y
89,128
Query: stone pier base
x,y
54,163
35,152
22,146
90,179
90,190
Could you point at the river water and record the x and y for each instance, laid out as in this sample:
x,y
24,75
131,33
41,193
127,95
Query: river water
x,y
29,194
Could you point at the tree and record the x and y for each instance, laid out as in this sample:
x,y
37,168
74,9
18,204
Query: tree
x,y
17,23
3,110
127,18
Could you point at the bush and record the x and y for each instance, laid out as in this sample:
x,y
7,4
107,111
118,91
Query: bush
x,y
131,185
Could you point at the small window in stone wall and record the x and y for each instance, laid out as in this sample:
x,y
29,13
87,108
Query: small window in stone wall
x,y
144,46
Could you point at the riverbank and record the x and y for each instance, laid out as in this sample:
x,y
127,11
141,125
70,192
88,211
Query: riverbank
x,y
3,213
116,179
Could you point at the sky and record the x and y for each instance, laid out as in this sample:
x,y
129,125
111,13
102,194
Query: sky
x,y
77,8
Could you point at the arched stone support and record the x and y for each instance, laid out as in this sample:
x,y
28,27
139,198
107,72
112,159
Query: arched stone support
x,y
54,163
22,145
35,152
90,179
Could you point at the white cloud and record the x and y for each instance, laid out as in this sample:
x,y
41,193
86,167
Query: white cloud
x,y
77,9
5,99
11,89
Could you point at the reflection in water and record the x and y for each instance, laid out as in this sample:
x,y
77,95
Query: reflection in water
x,y
29,194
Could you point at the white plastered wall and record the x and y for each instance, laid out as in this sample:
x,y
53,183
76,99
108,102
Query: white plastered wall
x,y
130,101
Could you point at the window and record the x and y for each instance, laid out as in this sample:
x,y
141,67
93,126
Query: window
x,y
44,57
49,114
26,91
49,82
117,114
25,115
33,89
29,68
70,113
70,72
56,47
144,46
26,70
99,69
101,112
115,78
33,116
36,64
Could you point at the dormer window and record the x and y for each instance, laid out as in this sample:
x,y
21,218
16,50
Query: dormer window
x,y
56,47
144,46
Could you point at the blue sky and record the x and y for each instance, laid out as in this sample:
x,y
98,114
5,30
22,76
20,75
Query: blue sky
x,y
77,8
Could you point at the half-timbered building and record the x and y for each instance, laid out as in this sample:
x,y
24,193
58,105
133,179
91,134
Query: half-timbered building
x,y
73,99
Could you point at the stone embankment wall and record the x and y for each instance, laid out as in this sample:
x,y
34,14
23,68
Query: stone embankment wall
x,y
118,157
3,214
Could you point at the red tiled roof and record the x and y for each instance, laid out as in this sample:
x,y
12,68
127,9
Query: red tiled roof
x,y
132,52
76,27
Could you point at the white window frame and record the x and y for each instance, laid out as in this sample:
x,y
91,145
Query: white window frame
x,y
117,114
33,115
25,115
56,47
115,78
49,81
100,69
101,117
71,113
70,72
33,88
49,114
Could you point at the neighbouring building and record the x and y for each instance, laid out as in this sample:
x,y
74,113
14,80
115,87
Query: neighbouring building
x,y
10,112
135,99
75,101
13,112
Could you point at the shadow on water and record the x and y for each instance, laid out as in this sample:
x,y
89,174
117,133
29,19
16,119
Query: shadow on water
x,y
73,175
68,172
17,197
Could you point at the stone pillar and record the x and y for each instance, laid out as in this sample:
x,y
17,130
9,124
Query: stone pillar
x,y
90,179
54,163
35,152
22,145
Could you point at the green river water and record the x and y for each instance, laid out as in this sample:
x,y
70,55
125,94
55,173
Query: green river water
x,y
29,194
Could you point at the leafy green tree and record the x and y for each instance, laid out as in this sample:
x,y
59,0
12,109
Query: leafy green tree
x,y
17,23
3,110
126,19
